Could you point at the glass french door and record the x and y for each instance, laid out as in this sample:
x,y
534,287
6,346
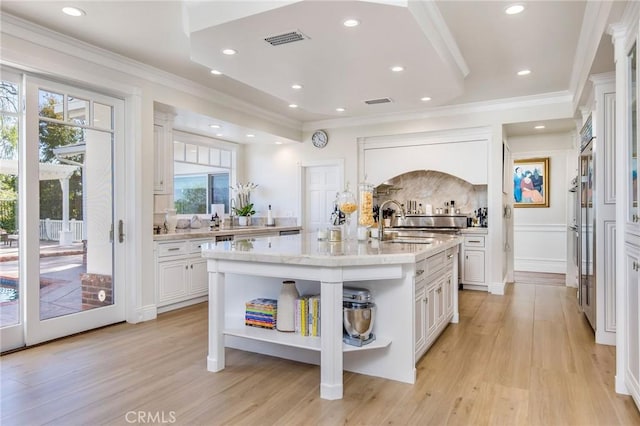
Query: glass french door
x,y
70,240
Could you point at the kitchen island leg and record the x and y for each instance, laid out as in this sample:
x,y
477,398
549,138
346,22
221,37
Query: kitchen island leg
x,y
331,340
215,360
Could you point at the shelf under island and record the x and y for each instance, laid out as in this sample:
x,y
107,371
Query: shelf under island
x,y
414,287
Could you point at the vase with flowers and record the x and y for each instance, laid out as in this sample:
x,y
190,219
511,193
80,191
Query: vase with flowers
x,y
244,207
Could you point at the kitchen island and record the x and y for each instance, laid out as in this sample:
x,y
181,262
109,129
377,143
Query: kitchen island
x,y
398,275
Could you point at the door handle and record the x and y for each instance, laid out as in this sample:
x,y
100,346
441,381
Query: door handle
x,y
120,231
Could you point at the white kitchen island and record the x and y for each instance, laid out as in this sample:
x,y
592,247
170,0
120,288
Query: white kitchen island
x,y
245,269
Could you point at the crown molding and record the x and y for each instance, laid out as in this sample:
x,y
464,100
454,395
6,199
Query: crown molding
x,y
47,38
504,104
594,24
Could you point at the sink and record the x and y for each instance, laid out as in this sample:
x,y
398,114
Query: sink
x,y
412,240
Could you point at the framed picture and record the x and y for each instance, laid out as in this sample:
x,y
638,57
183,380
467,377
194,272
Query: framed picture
x,y
531,182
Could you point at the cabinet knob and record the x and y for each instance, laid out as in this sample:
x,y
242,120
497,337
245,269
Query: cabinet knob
x,y
635,265
419,272
191,266
426,300
186,266
450,256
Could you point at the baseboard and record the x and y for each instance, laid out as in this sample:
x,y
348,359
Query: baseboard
x,y
182,304
496,288
606,338
144,313
553,266
621,387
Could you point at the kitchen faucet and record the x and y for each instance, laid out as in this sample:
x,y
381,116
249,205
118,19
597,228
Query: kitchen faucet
x,y
232,207
381,219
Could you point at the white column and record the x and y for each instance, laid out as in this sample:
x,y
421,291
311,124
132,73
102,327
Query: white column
x,y
331,340
215,359
66,236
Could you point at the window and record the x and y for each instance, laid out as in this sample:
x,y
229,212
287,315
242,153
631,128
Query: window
x,y
203,169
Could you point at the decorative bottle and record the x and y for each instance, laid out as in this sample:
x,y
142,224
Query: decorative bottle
x,y
171,220
285,319
270,221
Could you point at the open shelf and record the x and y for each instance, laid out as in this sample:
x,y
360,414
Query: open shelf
x,y
296,340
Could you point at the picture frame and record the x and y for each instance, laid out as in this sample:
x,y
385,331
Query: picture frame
x,y
531,182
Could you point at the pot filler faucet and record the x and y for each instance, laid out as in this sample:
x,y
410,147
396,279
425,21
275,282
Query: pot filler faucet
x,y
381,220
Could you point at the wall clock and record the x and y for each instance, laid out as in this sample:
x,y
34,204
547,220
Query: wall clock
x,y
319,138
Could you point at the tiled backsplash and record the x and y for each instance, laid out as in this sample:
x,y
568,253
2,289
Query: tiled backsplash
x,y
435,188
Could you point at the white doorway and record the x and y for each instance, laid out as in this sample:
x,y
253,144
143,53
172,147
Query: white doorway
x,y
321,182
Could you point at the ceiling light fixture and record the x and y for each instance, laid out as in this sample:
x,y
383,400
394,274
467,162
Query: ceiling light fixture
x,y
397,68
293,106
425,99
278,143
229,51
296,86
524,72
218,134
514,9
541,126
251,135
216,72
351,23
340,109
214,126
73,11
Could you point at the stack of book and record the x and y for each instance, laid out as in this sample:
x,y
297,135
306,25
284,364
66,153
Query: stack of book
x,y
307,322
261,313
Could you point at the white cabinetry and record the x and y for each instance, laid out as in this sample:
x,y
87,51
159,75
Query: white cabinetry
x,y
181,274
162,154
632,323
434,298
473,262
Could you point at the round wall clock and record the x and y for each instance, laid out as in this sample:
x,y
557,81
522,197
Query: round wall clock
x,y
319,138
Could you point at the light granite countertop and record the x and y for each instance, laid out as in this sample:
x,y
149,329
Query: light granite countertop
x,y
475,230
306,249
183,234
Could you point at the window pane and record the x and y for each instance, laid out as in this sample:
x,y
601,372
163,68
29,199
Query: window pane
x,y
9,271
214,156
191,153
178,151
51,105
9,97
220,190
102,116
78,110
190,194
225,158
203,155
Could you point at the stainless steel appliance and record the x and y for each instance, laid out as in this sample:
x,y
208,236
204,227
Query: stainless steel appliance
x,y
586,227
358,316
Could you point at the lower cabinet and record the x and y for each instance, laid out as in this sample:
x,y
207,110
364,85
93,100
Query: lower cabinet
x,y
631,344
181,273
473,260
434,305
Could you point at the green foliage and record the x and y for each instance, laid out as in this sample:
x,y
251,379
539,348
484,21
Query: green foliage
x,y
246,210
192,201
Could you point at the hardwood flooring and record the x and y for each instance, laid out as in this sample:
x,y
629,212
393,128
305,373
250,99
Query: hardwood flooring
x,y
526,358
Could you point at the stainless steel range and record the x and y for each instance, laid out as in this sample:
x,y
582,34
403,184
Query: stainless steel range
x,y
416,225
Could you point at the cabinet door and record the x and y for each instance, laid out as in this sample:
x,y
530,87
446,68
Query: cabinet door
x,y
448,294
159,150
198,284
419,319
432,310
173,277
632,144
473,271
632,300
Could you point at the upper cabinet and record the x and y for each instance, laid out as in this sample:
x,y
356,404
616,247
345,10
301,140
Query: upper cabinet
x,y
633,215
162,153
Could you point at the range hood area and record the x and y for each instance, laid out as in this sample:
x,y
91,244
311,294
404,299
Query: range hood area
x,y
430,187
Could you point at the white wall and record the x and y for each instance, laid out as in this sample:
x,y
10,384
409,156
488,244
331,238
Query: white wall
x,y
540,234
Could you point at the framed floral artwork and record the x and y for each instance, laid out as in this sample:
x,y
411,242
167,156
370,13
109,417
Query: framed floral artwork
x,y
531,182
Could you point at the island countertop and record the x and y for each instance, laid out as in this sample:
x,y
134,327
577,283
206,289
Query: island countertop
x,y
183,234
306,249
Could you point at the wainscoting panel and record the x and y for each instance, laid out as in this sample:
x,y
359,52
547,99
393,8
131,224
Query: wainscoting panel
x,y
540,248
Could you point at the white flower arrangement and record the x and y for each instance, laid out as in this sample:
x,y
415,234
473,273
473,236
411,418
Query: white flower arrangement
x,y
244,193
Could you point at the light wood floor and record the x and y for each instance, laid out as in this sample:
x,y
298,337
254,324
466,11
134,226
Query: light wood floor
x,y
526,358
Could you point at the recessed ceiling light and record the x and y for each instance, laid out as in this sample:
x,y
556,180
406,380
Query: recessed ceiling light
x,y
278,143
397,68
351,23
340,109
251,135
73,11
541,126
218,134
296,86
216,72
229,51
425,99
524,72
293,106
214,126
514,9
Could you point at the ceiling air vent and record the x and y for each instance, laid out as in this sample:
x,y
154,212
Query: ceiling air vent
x,y
285,38
378,101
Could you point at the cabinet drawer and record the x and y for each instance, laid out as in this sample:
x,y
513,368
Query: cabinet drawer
x,y
173,248
421,269
436,262
195,246
474,241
